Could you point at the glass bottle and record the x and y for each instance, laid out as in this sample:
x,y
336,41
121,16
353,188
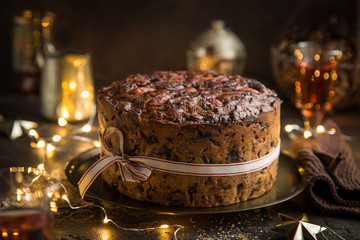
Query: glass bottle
x,y
26,42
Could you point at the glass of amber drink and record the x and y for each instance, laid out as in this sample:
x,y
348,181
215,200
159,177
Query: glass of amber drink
x,y
316,68
24,204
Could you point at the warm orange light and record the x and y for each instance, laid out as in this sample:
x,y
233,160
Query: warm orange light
x,y
317,73
85,94
50,147
316,57
320,129
307,134
40,144
326,76
27,14
96,144
65,114
333,75
339,55
309,105
86,128
302,70
72,85
62,122
289,128
56,138
34,134
164,226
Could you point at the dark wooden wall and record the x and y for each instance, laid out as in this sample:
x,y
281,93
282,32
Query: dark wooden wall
x,y
129,36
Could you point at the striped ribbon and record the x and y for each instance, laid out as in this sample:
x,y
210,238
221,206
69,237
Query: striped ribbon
x,y
139,168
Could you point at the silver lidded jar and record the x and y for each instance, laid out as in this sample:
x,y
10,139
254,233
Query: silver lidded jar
x,y
217,49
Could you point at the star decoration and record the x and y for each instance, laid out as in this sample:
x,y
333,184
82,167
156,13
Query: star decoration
x,y
14,129
297,228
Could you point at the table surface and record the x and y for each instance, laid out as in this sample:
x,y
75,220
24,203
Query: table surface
x,y
87,223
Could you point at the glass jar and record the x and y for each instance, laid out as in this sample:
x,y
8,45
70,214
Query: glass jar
x,y
217,49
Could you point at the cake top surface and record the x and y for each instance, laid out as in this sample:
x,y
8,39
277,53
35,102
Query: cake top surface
x,y
203,97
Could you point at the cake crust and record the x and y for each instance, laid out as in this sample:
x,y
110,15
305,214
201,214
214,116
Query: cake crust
x,y
228,119
190,97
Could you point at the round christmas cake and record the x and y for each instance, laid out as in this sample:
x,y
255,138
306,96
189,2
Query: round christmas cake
x,y
193,117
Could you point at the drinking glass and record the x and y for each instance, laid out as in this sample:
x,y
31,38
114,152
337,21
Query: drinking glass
x,y
24,204
316,68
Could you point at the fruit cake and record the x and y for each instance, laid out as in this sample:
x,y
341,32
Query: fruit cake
x,y
193,117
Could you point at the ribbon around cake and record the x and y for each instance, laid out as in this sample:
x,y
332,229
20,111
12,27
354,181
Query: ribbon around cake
x,y
139,168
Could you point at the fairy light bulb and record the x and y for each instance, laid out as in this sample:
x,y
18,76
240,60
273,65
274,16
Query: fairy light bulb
x,y
97,144
289,128
27,196
18,194
41,166
301,170
164,226
56,138
317,57
65,114
62,122
85,94
320,129
50,148
65,197
86,128
307,134
40,144
332,131
53,206
106,220
33,133
72,85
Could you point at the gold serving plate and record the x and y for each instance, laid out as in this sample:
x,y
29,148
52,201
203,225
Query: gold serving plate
x,y
289,183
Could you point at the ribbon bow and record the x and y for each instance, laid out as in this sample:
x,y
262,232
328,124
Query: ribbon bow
x,y
130,167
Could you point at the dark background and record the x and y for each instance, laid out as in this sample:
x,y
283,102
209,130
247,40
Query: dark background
x,y
130,36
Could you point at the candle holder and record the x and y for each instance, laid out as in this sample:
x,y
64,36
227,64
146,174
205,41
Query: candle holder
x,y
67,88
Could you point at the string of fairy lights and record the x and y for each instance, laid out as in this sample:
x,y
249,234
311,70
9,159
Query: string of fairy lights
x,y
49,145
295,130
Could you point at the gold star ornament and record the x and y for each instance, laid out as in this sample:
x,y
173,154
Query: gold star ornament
x,y
297,228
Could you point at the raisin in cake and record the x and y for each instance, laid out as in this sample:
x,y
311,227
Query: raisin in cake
x,y
194,117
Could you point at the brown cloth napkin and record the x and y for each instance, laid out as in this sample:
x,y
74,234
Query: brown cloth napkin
x,y
332,175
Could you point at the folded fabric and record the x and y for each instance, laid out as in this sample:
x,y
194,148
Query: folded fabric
x,y
332,174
